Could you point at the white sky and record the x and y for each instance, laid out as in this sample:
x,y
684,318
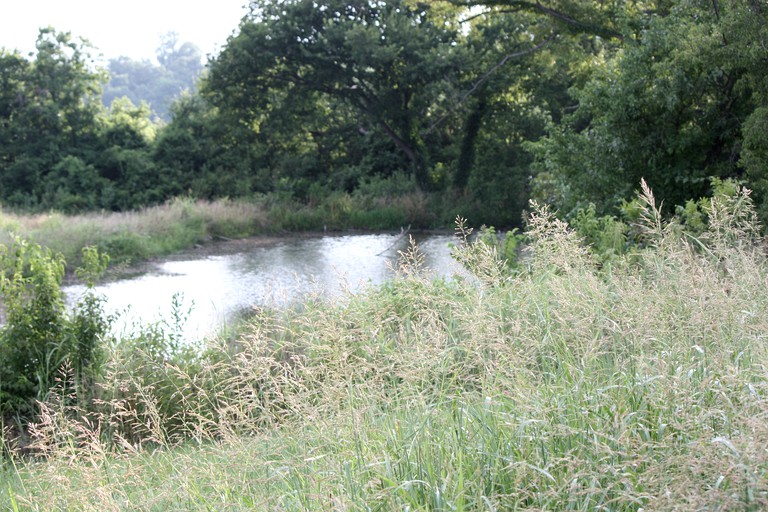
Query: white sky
x,y
132,28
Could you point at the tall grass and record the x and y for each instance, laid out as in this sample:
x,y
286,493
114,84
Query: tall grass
x,y
563,386
137,235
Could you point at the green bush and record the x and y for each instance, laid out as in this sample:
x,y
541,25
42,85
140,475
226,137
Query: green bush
x,y
39,335
32,341
88,324
606,234
125,247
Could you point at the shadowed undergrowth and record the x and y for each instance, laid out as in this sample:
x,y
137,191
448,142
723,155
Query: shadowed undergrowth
x,y
564,385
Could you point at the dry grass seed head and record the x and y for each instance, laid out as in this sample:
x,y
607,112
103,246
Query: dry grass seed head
x,y
553,245
480,259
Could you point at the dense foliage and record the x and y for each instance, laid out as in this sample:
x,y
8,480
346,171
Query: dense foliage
x,y
680,104
39,336
480,104
58,148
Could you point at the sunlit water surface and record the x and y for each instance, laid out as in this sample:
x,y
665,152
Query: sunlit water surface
x,y
220,281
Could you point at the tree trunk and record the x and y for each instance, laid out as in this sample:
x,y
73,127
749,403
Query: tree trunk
x,y
467,155
417,160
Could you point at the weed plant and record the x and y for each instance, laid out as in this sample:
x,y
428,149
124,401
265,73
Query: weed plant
x,y
42,345
566,384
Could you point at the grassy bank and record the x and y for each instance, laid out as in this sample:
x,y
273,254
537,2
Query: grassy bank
x,y
182,223
135,236
563,386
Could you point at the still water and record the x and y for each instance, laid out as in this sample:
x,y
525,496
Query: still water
x,y
220,280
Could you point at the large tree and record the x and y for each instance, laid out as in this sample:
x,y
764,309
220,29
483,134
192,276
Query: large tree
x,y
389,67
681,105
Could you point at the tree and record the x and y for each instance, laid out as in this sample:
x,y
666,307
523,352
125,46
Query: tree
x,y
49,111
139,81
677,109
59,147
128,177
614,19
205,154
389,63
178,69
512,86
182,60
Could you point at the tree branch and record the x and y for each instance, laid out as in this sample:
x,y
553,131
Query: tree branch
x,y
524,5
486,76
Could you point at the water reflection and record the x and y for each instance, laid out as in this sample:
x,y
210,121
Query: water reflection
x,y
239,275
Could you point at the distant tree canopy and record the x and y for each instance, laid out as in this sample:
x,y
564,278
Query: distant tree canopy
x,y
178,69
484,103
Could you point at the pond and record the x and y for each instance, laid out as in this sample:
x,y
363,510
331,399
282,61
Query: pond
x,y
220,280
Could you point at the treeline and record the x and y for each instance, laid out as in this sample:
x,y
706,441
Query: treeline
x,y
481,104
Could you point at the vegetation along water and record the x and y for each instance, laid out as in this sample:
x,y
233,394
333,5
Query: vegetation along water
x,y
605,348
566,381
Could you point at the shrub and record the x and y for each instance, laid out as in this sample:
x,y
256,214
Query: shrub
x,y
32,344
39,335
606,234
